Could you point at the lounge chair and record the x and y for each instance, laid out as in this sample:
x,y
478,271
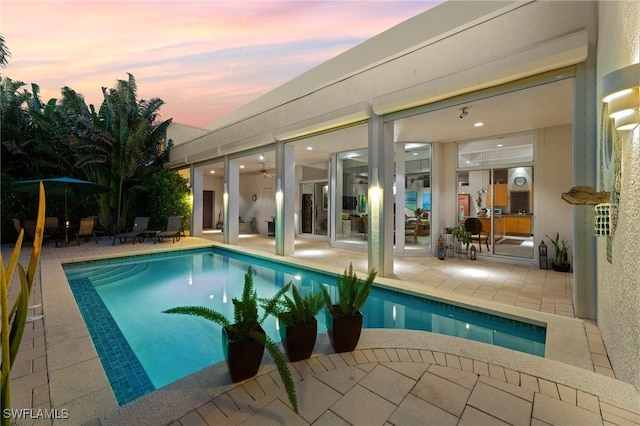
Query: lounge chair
x,y
99,229
137,231
174,229
86,230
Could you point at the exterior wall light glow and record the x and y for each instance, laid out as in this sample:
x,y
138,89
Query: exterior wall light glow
x,y
621,93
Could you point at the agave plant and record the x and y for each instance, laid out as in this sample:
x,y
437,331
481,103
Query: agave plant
x,y
247,326
14,320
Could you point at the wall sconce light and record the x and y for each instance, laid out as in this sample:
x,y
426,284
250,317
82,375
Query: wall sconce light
x,y
621,93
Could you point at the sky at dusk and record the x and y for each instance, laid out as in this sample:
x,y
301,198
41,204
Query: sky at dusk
x,y
203,58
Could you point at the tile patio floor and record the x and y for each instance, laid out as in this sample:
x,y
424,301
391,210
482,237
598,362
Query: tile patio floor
x,y
395,377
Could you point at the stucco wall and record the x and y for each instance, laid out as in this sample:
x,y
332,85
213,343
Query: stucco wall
x,y
553,175
619,281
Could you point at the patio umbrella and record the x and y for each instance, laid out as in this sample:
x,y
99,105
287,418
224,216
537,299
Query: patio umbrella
x,y
60,186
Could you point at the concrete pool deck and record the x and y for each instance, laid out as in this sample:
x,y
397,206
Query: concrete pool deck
x,y
392,376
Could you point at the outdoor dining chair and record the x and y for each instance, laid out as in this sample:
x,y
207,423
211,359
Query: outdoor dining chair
x,y
86,230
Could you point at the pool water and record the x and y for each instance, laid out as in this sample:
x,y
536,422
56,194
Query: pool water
x,y
142,349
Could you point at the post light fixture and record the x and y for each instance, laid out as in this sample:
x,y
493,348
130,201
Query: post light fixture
x,y
620,90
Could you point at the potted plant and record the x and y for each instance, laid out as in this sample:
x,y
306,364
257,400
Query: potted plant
x,y
297,320
562,254
344,319
244,340
462,236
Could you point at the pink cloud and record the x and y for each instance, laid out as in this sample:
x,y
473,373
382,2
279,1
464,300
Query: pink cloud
x,y
203,58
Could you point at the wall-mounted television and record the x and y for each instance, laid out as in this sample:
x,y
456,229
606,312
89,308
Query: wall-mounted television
x,y
349,202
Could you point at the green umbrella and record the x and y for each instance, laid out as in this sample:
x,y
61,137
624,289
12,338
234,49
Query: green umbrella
x,y
60,186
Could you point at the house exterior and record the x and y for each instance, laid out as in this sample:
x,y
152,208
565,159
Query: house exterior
x,y
412,90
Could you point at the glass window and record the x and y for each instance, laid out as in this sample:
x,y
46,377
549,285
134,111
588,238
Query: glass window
x,y
351,196
415,197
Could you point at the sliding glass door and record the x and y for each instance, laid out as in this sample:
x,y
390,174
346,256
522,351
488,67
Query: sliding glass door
x,y
495,185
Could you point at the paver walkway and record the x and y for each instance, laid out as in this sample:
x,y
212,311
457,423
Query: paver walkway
x,y
431,380
395,386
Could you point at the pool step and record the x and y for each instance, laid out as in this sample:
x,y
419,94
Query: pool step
x,y
109,274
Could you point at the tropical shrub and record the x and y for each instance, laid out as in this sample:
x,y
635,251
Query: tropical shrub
x,y
13,320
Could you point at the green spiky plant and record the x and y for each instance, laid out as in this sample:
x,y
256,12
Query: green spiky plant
x,y
247,325
352,292
296,317
293,310
561,250
14,320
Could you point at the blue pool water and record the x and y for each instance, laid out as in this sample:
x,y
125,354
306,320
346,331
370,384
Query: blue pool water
x,y
142,349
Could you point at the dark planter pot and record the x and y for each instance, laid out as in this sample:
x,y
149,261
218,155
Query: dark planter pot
x,y
243,356
299,340
560,268
344,331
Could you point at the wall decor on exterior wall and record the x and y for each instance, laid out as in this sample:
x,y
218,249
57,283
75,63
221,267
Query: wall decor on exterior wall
x,y
610,170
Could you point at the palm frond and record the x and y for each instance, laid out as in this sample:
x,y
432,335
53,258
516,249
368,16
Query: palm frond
x,y
202,312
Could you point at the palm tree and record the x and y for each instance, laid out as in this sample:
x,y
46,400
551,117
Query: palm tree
x,y
4,52
116,144
35,140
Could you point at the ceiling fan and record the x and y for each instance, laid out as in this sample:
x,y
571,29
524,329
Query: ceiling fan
x,y
264,172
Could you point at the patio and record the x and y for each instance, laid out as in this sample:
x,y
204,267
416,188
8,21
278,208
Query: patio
x,y
449,379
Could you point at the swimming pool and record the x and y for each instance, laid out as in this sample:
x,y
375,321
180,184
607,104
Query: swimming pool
x,y
142,349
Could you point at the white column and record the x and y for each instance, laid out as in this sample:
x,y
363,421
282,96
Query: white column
x,y
285,199
335,182
230,200
585,150
197,186
380,196
399,197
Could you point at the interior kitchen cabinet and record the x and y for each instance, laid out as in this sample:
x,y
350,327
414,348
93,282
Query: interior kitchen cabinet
x,y
499,195
517,225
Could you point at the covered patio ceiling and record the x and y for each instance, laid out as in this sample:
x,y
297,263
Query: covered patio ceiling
x,y
533,108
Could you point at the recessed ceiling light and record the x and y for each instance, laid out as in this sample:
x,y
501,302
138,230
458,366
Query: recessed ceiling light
x,y
242,167
261,157
479,124
212,171
499,145
309,148
415,153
